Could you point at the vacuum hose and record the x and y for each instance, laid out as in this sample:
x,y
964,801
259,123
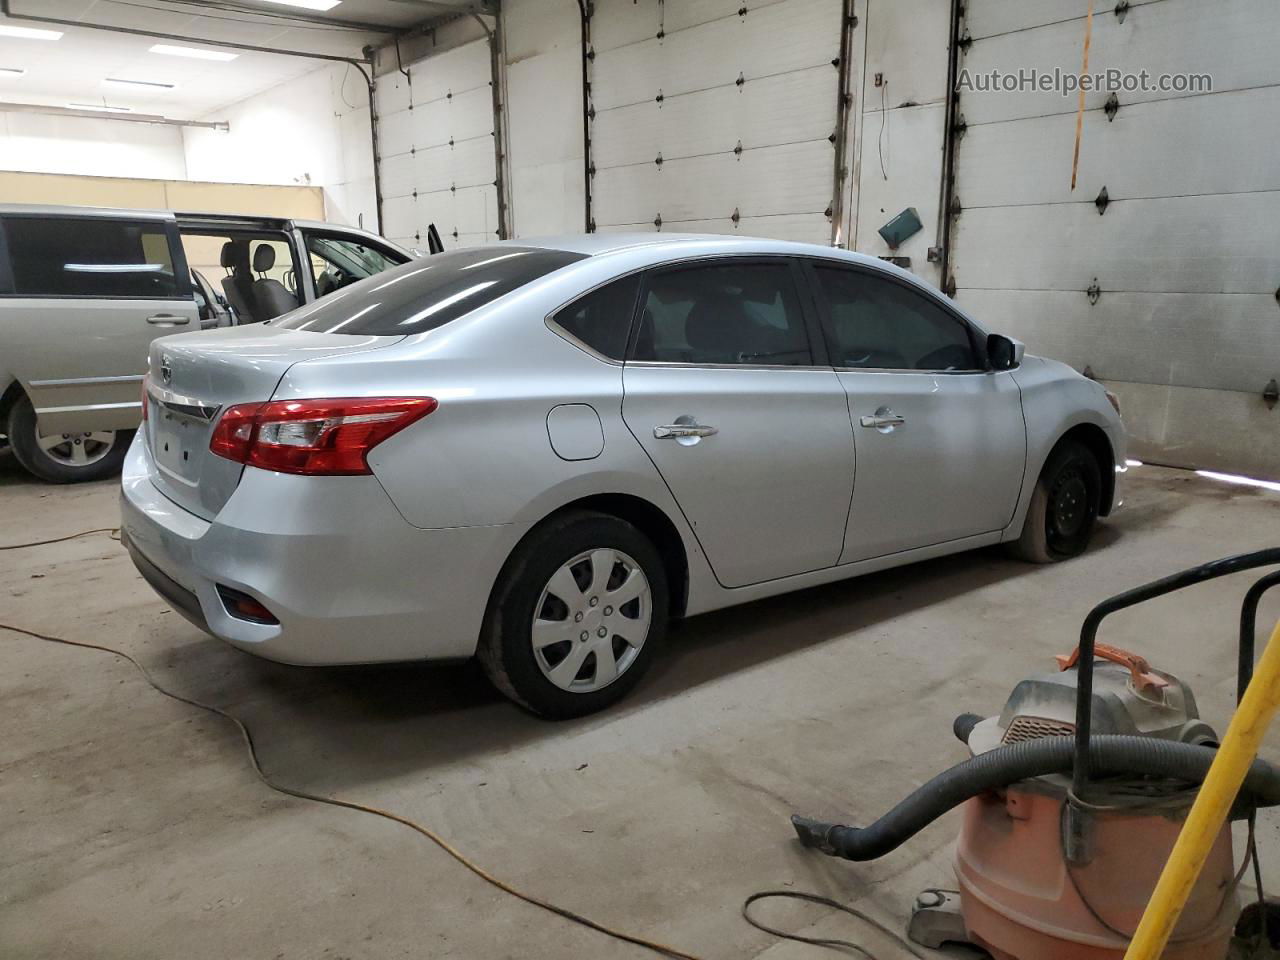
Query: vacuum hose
x,y
1108,755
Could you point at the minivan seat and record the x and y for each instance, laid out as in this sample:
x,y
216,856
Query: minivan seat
x,y
270,295
237,285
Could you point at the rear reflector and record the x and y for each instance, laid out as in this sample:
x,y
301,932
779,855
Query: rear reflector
x,y
330,437
244,607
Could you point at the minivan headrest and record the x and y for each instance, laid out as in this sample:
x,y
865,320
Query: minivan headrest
x,y
264,258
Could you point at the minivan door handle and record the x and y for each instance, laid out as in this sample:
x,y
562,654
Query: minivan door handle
x,y
168,320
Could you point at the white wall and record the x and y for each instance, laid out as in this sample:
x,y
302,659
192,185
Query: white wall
x,y
310,131
40,143
542,44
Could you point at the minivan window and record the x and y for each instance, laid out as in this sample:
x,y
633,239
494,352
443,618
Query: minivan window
x,y
880,324
424,294
602,319
731,313
91,257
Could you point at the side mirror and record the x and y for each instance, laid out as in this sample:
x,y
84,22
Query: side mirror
x,y
1004,353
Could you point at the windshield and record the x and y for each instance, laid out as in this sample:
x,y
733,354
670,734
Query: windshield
x,y
424,294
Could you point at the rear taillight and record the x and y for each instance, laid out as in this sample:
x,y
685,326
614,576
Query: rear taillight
x,y
314,437
146,386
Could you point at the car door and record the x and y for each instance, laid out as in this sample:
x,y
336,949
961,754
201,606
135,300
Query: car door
x,y
747,425
940,439
87,296
337,258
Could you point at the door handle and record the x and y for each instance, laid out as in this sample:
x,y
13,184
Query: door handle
x,y
168,320
679,431
883,419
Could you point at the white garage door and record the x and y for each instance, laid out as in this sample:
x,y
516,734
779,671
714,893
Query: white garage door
x,y
1183,261
715,116
435,140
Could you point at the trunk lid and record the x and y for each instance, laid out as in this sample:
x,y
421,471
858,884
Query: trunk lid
x,y
195,377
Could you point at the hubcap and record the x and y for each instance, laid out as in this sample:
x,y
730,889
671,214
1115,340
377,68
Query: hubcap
x,y
77,449
591,620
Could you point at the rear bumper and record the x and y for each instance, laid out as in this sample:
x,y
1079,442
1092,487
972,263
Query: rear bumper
x,y
347,577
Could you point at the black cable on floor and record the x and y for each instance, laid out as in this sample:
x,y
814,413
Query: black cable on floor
x,y
829,942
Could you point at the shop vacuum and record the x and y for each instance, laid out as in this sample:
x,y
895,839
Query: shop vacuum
x,y
1074,796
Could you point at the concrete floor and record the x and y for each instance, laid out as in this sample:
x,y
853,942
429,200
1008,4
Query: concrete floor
x,y
133,828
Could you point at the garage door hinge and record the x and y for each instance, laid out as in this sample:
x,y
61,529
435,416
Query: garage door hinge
x,y
950,288
658,161
1122,10
955,206
965,42
1094,292
742,11
740,81
659,98
1088,372
959,126
852,22
1112,106
737,152
736,216
1271,393
657,221
1102,200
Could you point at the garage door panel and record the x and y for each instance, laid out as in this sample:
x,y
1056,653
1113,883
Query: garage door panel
x,y
431,124
395,134
1206,244
397,176
399,216
801,228
789,35
627,195
1143,337
391,94
1144,151
692,13
986,17
461,69
1158,39
783,109
617,23
466,164
471,114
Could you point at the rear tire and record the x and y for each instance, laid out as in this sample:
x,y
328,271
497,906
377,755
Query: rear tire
x,y
593,589
1064,506
67,457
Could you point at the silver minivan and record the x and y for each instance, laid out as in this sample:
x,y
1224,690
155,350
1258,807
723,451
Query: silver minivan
x,y
84,290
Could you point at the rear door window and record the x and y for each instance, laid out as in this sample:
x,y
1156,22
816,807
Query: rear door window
x,y
338,262
92,257
723,313
424,294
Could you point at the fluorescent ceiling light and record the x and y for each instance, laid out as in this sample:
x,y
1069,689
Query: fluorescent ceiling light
x,y
149,84
100,106
195,53
308,4
28,33
12,72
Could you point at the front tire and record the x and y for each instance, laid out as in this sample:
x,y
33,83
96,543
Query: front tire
x,y
1064,506
64,457
576,616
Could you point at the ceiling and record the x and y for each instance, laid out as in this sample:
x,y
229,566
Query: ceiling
x,y
72,69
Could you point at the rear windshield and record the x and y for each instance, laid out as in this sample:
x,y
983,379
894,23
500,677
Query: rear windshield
x,y
427,293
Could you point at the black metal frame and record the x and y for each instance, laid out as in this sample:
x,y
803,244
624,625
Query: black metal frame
x,y
1158,588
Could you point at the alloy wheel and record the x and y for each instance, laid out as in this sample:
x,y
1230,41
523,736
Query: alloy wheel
x,y
77,449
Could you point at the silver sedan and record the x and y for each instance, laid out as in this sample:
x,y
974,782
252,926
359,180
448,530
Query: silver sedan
x,y
538,453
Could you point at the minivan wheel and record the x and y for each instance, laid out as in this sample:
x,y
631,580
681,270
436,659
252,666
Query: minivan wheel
x,y
1064,507
64,457
576,616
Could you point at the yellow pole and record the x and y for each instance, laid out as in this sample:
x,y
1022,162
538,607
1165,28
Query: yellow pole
x,y
1212,805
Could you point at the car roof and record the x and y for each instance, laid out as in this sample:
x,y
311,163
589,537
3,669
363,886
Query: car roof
x,y
61,210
